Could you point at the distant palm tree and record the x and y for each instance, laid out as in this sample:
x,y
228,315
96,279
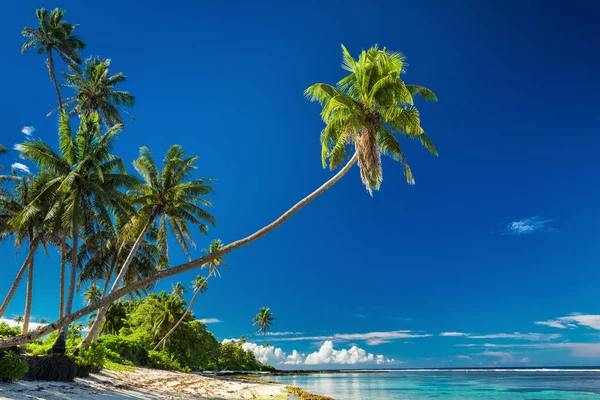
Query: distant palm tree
x,y
95,91
19,319
213,266
166,198
264,320
366,109
178,289
42,321
54,34
92,294
200,285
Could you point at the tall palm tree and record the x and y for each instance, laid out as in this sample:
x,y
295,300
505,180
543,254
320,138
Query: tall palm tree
x,y
200,285
367,109
178,289
85,187
92,294
170,200
95,90
335,99
31,228
264,320
54,35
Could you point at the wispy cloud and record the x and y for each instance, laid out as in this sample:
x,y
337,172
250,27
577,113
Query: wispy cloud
x,y
536,337
358,315
207,321
573,321
453,334
527,226
28,130
284,333
20,167
464,357
371,338
327,354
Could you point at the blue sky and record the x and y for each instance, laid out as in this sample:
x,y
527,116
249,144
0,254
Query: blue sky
x,y
500,231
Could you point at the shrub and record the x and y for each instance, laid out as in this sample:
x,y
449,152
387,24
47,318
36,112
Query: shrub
x,y
7,331
12,367
127,349
92,357
161,360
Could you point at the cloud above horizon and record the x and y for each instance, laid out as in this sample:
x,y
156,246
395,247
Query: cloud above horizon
x,y
535,337
20,167
527,226
28,130
370,338
207,321
326,355
573,321
453,334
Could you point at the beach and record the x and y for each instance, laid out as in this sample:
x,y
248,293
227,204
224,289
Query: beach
x,y
143,383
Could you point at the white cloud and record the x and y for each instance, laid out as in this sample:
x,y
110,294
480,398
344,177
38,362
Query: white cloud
x,y
371,338
552,324
464,357
10,322
573,321
454,334
207,321
504,357
326,355
28,130
527,226
284,333
20,167
536,337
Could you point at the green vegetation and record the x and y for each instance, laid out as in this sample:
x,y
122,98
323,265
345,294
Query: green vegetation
x,y
12,367
111,227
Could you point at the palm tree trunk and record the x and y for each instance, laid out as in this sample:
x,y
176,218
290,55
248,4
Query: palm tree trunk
x,y
63,262
17,280
28,297
95,329
117,294
164,340
50,63
61,342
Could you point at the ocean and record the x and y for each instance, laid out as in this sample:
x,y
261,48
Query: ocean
x,y
488,384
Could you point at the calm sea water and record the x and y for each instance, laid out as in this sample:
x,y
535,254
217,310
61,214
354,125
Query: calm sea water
x,y
492,385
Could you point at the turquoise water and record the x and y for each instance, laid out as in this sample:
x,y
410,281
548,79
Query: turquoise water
x,y
492,385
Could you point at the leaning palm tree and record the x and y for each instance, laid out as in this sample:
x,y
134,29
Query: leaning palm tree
x,y
346,116
264,320
367,110
31,228
95,91
85,187
168,199
200,285
54,35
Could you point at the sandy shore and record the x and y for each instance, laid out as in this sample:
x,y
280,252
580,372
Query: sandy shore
x,y
143,383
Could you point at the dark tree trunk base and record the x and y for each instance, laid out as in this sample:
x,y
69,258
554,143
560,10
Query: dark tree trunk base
x,y
51,368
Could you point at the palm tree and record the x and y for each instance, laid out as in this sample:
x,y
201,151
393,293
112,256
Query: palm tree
x,y
367,109
42,321
341,117
92,294
2,151
264,320
18,319
95,90
178,289
31,228
54,34
169,199
200,285
85,187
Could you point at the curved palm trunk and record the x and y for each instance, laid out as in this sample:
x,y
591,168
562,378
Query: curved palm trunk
x,y
50,63
67,319
28,297
60,346
63,262
17,280
164,340
95,329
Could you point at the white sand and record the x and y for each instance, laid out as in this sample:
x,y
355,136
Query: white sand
x,y
142,384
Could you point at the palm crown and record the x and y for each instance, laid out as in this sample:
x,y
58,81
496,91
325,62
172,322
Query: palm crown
x,y
367,109
264,320
95,90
